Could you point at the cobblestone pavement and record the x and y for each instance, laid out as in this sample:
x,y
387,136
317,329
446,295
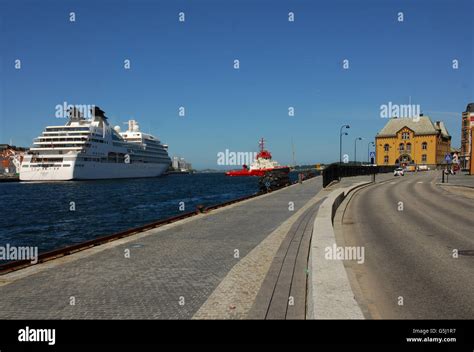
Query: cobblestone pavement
x,y
169,274
261,285
242,287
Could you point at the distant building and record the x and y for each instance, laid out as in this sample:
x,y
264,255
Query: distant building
x,y
466,136
175,163
180,164
471,170
408,141
11,158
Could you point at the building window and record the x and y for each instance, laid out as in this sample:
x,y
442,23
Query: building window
x,y
386,147
385,159
424,145
423,158
408,147
401,147
405,135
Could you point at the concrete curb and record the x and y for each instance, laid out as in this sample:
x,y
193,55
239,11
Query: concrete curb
x,y
337,225
330,294
453,185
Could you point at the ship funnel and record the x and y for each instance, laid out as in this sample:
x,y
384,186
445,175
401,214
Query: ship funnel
x,y
97,112
75,114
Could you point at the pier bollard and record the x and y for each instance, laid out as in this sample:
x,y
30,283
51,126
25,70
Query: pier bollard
x,y
200,209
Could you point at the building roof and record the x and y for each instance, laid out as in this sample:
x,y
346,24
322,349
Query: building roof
x,y
439,125
13,147
470,107
421,126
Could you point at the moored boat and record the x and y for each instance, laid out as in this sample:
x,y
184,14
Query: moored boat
x,y
262,164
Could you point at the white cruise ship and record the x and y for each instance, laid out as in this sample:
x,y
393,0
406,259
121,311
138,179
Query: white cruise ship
x,y
86,149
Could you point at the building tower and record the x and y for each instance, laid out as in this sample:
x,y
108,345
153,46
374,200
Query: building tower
x,y
466,136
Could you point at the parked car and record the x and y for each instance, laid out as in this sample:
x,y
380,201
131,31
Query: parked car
x,y
398,172
423,168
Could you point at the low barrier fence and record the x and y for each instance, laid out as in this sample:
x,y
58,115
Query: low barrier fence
x,y
337,171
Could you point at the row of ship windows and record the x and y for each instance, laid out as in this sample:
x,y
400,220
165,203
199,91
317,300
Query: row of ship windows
x,y
62,129
117,144
121,160
46,165
88,145
61,139
157,149
40,160
66,165
148,154
65,146
65,134
148,150
111,159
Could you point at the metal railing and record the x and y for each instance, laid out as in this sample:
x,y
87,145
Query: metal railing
x,y
337,171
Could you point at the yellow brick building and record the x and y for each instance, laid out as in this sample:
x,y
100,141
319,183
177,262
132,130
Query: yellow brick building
x,y
471,171
408,141
466,136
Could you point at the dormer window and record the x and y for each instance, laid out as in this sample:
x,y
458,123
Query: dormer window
x,y
405,135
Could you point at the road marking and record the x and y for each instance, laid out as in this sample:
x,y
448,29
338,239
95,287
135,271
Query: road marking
x,y
420,182
392,183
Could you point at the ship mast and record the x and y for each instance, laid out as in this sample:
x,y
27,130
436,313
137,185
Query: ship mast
x,y
293,151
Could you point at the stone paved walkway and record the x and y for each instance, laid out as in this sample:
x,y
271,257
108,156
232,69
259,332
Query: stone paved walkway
x,y
460,179
270,282
171,271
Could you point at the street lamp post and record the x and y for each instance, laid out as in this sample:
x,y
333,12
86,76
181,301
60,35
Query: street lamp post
x,y
355,148
368,150
340,141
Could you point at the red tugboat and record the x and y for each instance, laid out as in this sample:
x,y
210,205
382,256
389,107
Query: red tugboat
x,y
261,166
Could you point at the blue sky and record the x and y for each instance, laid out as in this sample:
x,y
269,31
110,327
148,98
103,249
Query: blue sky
x,y
190,64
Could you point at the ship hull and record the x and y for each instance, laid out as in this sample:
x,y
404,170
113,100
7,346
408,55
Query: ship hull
x,y
256,172
93,171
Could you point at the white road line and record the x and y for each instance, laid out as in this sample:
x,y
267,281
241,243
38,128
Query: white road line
x,y
420,182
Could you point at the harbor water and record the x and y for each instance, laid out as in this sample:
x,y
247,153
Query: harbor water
x,y
57,214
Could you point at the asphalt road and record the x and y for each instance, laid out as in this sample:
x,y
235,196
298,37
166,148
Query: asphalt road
x,y
409,252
